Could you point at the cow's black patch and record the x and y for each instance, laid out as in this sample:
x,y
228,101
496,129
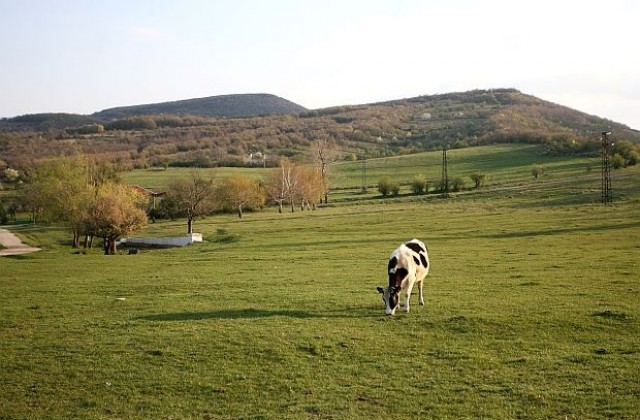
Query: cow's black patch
x,y
415,247
393,299
416,259
395,279
392,263
423,259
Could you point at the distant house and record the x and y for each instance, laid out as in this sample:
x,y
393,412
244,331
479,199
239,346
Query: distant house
x,y
256,159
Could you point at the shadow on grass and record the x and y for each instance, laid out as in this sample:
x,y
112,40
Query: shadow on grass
x,y
251,314
229,314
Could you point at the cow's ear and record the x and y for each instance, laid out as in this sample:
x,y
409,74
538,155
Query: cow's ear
x,y
380,289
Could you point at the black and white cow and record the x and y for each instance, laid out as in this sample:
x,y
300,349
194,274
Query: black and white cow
x,y
408,265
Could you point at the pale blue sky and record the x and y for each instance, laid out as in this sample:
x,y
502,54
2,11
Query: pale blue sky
x,y
85,56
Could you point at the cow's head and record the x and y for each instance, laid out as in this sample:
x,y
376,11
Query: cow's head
x,y
390,296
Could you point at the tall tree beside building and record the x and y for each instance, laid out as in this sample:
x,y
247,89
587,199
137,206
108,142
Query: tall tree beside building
x,y
117,210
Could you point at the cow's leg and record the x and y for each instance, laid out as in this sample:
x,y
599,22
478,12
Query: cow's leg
x,y
408,297
420,293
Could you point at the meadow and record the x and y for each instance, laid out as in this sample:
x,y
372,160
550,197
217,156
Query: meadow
x,y
531,309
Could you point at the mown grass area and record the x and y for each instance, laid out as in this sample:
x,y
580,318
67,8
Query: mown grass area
x,y
531,312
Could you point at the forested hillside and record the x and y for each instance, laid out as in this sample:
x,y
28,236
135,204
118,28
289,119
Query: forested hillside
x,y
361,131
214,106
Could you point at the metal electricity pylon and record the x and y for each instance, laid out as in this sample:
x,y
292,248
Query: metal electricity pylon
x,y
444,182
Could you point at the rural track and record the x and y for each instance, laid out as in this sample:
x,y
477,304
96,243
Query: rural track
x,y
13,245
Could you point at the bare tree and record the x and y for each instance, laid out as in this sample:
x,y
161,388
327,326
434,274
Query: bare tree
x,y
290,181
275,187
324,153
194,196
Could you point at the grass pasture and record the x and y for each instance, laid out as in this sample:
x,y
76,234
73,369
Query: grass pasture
x,y
531,312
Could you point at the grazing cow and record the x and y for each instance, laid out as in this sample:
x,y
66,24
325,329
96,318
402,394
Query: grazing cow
x,y
408,264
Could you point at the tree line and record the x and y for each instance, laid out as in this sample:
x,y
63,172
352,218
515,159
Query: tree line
x,y
89,197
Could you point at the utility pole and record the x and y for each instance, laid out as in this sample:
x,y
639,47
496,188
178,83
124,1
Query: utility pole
x,y
364,175
607,197
444,182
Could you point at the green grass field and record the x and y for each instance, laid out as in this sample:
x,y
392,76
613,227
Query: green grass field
x,y
531,311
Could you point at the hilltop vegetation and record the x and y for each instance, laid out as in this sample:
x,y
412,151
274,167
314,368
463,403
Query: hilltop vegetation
x,y
214,106
361,132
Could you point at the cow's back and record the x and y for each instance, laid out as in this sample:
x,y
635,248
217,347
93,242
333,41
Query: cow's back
x,y
420,256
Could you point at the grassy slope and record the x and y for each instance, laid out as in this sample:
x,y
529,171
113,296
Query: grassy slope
x,y
531,311
503,164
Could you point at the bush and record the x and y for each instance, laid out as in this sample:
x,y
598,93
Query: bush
x,y
478,180
419,184
618,161
457,183
537,170
386,186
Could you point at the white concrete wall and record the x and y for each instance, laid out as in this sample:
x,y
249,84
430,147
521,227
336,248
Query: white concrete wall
x,y
170,241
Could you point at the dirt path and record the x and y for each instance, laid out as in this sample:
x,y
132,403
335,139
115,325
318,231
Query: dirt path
x,y
13,245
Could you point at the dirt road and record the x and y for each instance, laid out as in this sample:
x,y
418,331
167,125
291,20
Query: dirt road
x,y
13,245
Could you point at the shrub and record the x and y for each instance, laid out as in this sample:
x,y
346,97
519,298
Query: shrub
x,y
385,186
617,161
419,184
478,180
457,183
537,170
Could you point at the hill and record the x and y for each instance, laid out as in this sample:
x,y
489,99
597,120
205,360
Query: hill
x,y
45,121
365,131
244,105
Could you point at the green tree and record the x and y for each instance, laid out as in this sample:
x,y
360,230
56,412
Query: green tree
x,y
239,192
69,191
116,210
57,192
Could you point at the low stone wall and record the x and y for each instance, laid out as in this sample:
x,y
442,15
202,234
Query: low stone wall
x,y
168,242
